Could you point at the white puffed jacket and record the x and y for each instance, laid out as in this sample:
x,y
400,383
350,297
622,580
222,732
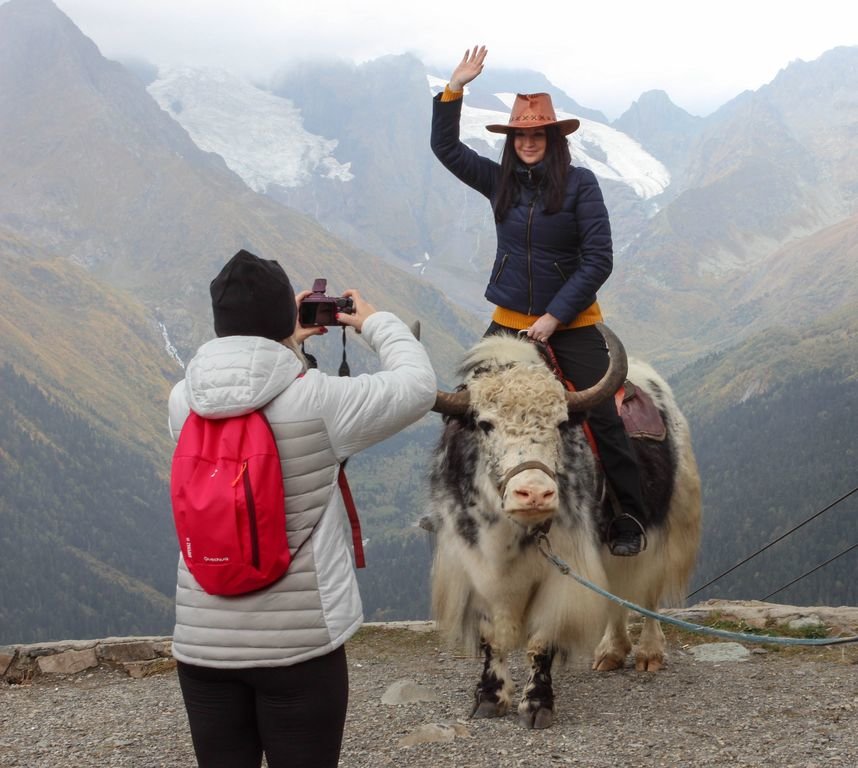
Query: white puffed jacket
x,y
318,422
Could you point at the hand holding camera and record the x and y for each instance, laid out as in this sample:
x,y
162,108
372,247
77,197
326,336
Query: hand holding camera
x,y
317,310
361,310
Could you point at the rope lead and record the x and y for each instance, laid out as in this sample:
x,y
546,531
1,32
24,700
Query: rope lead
x,y
545,548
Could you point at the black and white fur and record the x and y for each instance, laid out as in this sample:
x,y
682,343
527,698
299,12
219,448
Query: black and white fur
x,y
492,589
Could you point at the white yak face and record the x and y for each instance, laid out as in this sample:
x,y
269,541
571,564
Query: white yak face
x,y
517,411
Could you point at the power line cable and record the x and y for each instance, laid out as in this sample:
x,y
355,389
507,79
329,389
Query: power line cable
x,y
772,543
812,570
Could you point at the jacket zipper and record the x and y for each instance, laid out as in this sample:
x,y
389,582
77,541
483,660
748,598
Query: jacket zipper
x,y
560,271
529,260
501,267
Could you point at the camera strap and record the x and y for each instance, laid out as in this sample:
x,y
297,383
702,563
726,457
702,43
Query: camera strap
x,y
344,365
313,363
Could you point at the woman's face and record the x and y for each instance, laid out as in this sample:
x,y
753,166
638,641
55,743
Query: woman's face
x,y
529,144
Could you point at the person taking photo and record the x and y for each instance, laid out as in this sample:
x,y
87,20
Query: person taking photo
x,y
265,673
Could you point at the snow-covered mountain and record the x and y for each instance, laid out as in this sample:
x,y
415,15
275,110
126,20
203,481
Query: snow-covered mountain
x,y
263,139
260,136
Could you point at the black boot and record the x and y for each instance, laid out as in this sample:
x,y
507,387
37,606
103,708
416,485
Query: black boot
x,y
626,536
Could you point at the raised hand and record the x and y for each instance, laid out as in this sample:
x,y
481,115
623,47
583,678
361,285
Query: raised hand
x,y
468,68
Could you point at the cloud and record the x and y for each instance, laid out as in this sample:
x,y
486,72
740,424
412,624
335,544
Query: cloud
x,y
604,54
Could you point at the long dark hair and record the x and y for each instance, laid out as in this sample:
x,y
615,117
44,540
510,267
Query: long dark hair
x,y
553,186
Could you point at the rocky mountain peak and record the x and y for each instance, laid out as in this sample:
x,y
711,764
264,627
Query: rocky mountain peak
x,y
41,47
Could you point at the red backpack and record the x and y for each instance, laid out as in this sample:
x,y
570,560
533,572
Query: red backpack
x,y
228,503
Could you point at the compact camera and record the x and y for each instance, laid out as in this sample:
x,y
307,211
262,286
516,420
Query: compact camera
x,y
319,309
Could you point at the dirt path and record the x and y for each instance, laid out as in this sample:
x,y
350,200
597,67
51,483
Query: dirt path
x,y
783,708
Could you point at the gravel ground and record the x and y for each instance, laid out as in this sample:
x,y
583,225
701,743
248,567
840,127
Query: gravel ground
x,y
779,708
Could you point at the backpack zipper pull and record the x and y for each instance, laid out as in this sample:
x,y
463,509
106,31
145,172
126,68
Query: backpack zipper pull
x,y
240,473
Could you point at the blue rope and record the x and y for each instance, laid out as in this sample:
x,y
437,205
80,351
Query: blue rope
x,y
545,549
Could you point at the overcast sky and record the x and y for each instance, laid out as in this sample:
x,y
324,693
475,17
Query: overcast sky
x,y
603,53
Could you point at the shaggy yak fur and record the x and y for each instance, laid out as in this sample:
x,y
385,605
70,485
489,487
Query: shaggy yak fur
x,y
493,497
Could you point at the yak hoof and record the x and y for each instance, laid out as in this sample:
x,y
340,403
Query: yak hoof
x,y
649,663
535,716
488,709
609,662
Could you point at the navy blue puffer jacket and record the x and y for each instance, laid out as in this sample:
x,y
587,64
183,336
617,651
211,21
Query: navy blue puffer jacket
x,y
544,262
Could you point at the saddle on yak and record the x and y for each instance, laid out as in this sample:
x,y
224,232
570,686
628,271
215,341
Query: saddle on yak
x,y
640,416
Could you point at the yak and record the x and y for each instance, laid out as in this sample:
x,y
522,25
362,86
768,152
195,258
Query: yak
x,y
513,472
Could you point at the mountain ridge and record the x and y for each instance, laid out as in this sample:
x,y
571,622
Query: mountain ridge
x,y
112,222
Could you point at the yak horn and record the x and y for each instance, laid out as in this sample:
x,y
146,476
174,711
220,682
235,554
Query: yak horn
x,y
457,403
618,367
452,403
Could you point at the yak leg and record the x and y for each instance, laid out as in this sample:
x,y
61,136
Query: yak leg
x,y
493,693
536,708
615,643
649,655
649,651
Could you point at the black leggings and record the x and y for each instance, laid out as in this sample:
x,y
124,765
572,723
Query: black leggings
x,y
583,357
294,714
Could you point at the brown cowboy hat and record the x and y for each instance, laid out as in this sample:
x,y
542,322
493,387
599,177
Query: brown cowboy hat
x,y
534,110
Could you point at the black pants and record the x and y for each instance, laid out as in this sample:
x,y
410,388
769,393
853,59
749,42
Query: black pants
x,y
294,714
583,357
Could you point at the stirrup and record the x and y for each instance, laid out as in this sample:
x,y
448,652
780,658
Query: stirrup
x,y
626,543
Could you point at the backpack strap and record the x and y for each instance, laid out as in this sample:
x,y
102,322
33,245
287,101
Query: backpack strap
x,y
357,539
342,480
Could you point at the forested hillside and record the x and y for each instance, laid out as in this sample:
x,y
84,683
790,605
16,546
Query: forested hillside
x,y
769,464
85,518
774,423
395,584
390,489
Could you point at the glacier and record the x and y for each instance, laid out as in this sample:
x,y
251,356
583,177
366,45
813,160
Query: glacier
x,y
260,136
